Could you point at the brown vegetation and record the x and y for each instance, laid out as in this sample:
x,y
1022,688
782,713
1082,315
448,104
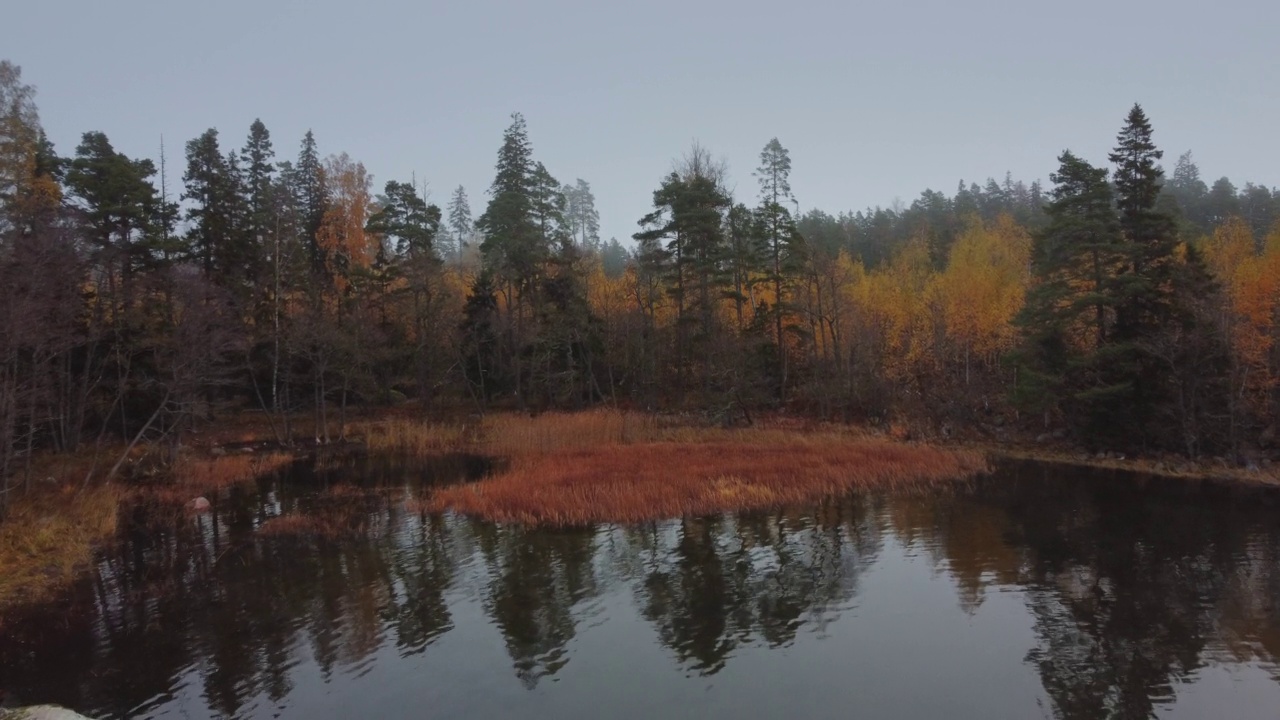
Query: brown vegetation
x,y
196,475
49,536
611,467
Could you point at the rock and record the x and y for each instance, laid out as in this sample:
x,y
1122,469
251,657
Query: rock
x,y
218,452
246,450
41,712
1043,438
200,504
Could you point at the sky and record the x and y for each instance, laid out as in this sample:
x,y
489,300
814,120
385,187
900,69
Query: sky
x,y
876,101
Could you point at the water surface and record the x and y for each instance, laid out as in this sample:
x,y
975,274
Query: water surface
x,y
1038,592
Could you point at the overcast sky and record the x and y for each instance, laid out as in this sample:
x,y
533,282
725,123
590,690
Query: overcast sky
x,y
875,101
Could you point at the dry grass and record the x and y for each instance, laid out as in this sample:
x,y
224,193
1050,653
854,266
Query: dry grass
x,y
198,475
415,437
49,536
719,471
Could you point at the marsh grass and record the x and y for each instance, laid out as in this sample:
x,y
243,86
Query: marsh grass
x,y
611,467
49,536
196,475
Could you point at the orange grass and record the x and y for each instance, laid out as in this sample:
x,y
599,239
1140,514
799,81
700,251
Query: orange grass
x,y
629,483
49,536
195,475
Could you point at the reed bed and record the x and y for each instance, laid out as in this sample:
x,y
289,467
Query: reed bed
x,y
415,437
715,472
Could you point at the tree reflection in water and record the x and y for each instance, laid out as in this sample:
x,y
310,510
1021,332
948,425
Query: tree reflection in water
x,y
1132,587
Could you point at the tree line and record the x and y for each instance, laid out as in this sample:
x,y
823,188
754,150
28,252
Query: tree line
x,y
1129,310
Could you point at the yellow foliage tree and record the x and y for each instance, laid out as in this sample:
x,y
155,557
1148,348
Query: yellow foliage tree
x,y
342,236
1252,283
983,289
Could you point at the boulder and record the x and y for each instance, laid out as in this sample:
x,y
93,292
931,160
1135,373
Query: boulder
x,y
200,504
41,712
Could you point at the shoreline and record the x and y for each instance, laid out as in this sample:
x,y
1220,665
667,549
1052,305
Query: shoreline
x,y
50,538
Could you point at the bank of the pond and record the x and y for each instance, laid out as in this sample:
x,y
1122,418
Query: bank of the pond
x,y
1263,472
51,531
558,469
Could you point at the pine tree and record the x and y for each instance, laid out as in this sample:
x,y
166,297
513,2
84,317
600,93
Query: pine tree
x,y
460,225
406,219
549,206
120,205
581,214
782,242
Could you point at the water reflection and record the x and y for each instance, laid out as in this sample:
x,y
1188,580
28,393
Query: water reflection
x,y
1129,588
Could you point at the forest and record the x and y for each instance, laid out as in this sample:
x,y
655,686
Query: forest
x,y
1120,308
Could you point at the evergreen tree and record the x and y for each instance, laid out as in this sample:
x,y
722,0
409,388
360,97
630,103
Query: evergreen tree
x,y
513,248
614,257
406,219
480,339
549,206
213,191
460,225
259,182
581,214
120,206
312,197
1070,311
1158,297
782,242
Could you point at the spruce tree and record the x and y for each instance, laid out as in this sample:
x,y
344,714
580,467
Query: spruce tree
x,y
1069,314
512,247
1147,296
460,225
311,196
213,191
259,182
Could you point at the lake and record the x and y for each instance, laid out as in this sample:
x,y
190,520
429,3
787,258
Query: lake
x,y
1038,591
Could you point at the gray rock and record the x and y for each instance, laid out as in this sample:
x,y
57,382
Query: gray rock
x,y
200,504
41,712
